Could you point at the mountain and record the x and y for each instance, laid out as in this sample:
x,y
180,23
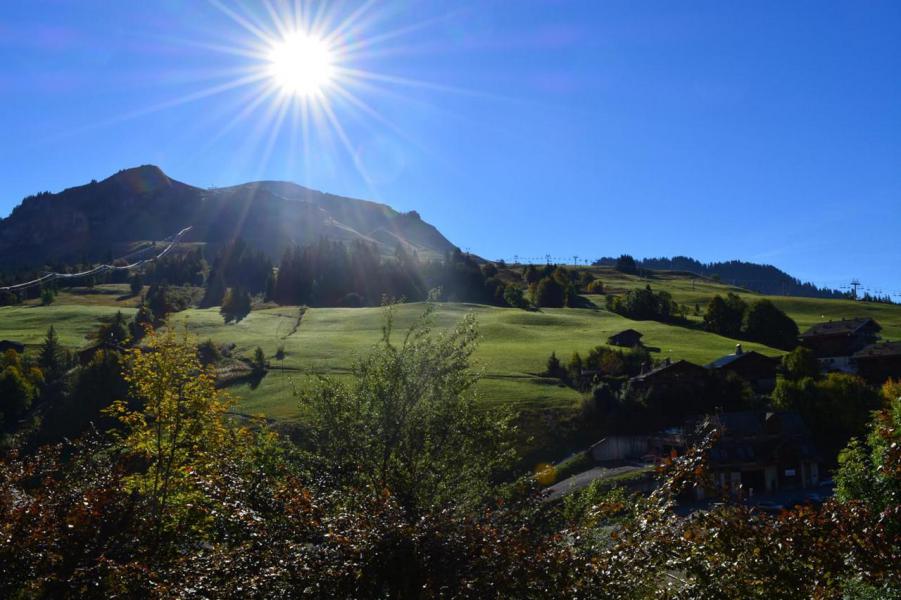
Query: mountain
x,y
764,279
103,219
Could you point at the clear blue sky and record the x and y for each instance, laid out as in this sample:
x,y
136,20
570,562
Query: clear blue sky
x,y
765,131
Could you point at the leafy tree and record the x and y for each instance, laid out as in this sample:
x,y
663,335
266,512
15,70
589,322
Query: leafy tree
x,y
596,286
160,301
513,296
16,394
835,408
408,422
764,322
531,275
800,363
870,470
177,430
643,304
549,293
47,296
725,316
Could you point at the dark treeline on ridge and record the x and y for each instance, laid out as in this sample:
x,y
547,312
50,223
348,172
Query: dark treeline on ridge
x,y
331,273
764,279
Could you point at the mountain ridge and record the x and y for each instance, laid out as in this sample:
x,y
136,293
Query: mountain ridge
x,y
91,221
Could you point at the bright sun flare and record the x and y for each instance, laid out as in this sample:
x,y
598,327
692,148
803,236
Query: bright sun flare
x,y
301,64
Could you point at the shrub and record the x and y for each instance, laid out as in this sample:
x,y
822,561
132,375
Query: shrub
x,y
764,322
800,363
549,293
595,287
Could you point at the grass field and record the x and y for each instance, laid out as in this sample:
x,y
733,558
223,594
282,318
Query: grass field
x,y
514,346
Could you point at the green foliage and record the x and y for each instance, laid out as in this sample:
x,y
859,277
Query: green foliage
x,y
599,505
163,299
554,368
115,331
870,470
835,408
531,275
208,353
626,264
142,320
764,322
47,296
548,293
800,363
725,316
644,304
179,505
596,286
408,422
513,296
16,394
95,387
52,357
177,429
259,363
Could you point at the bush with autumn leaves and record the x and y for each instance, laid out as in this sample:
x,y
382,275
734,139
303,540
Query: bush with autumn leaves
x,y
395,492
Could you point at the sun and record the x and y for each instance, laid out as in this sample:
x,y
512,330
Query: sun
x,y
301,64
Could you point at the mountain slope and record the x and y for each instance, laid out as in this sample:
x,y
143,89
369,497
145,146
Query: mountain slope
x,y
763,279
100,219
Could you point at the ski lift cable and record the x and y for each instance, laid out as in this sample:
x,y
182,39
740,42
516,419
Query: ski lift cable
x,y
172,240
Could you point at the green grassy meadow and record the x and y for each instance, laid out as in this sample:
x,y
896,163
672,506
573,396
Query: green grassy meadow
x,y
512,353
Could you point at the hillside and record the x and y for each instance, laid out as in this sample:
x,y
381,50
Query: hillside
x,y
106,218
764,279
513,351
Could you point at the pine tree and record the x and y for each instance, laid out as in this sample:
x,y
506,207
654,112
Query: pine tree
x,y
52,356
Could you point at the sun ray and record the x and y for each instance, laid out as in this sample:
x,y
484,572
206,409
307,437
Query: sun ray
x,y
348,146
242,21
344,27
416,83
352,49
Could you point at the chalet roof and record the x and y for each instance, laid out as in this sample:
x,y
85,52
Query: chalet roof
x,y
880,349
627,332
732,358
755,422
843,327
669,367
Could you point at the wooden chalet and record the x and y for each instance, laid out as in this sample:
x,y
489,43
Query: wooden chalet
x,y
628,338
755,368
757,450
840,338
878,362
669,373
